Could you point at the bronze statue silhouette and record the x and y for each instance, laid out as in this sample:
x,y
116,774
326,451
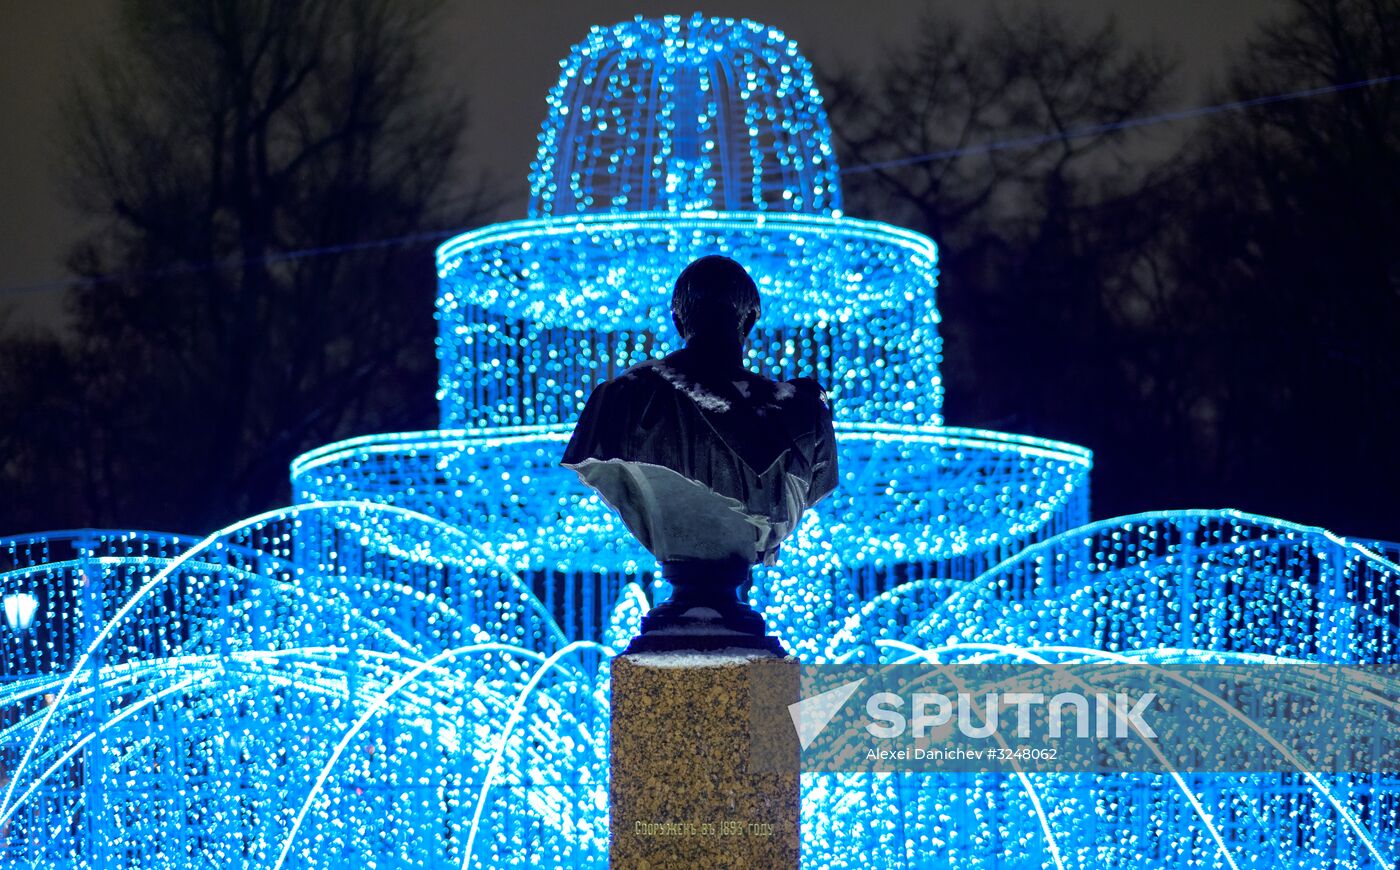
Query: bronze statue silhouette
x,y
708,464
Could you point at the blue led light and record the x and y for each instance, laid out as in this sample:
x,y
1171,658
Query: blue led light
x,y
685,114
409,668
556,303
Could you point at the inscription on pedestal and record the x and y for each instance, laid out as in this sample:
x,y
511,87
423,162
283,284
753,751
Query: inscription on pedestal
x,y
685,790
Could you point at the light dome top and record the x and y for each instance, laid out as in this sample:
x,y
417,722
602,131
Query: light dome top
x,y
683,114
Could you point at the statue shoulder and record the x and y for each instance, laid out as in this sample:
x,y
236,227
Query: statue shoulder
x,y
805,390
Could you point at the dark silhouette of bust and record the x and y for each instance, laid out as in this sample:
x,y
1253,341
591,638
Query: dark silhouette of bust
x,y
708,464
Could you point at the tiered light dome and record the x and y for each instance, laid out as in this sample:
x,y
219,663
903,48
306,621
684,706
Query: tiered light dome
x,y
533,313
685,114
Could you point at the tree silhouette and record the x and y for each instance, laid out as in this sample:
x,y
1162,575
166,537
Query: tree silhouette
x,y
1289,266
239,162
1218,319
1046,247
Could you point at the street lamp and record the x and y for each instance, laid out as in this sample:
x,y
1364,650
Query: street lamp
x,y
19,611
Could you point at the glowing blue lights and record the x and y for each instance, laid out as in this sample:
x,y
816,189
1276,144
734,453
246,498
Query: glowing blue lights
x,y
682,114
557,304
255,697
410,668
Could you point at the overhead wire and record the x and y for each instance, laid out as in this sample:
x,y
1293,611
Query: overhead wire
x,y
874,166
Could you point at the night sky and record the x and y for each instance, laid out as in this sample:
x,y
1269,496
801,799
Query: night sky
x,y
503,55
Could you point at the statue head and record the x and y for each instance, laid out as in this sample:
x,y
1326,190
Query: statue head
x,y
715,300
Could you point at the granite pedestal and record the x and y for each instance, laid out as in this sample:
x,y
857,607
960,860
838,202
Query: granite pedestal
x,y
694,784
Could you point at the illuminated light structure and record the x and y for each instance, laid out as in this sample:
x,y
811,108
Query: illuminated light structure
x,y
666,140
1172,587
408,668
328,685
